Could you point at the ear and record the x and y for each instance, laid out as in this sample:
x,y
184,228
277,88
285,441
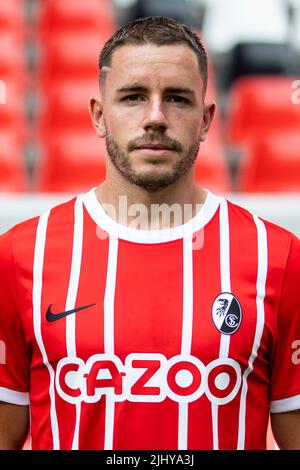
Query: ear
x,y
96,113
208,115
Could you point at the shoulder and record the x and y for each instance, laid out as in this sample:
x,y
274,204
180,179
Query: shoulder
x,y
280,244
21,237
275,233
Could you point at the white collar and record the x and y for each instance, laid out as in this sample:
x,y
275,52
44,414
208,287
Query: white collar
x,y
103,220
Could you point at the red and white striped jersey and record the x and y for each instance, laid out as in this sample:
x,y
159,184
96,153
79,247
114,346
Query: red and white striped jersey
x,y
119,338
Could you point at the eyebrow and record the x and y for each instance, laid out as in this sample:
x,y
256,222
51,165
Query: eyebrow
x,y
136,88
186,91
125,89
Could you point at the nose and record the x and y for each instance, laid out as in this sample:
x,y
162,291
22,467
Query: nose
x,y
155,118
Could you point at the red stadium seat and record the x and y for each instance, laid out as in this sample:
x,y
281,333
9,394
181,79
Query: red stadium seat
x,y
12,59
12,15
258,105
57,16
211,92
271,164
71,162
64,106
12,111
12,169
70,56
211,168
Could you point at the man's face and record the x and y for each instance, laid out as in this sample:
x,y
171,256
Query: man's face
x,y
152,113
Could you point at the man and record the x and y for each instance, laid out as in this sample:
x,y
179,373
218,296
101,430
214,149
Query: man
x,y
150,332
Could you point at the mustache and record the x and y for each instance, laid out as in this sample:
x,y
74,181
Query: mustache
x,y
151,139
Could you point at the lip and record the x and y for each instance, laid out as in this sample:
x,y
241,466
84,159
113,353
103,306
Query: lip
x,y
154,149
155,146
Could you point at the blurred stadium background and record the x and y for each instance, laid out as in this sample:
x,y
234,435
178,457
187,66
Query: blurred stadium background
x,y
48,69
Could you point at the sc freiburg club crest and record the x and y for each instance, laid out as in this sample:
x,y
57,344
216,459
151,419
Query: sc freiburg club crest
x,y
226,313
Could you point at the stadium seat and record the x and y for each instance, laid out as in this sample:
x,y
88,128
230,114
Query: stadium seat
x,y
69,56
12,59
13,112
211,167
12,168
271,164
178,11
295,24
56,16
71,162
259,105
229,22
212,91
12,15
261,58
64,106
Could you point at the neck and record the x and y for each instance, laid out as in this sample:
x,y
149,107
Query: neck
x,y
131,205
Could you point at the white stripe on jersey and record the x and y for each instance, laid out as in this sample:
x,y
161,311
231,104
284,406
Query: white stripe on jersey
x,y
74,277
38,265
183,424
224,267
187,329
262,264
215,425
109,342
188,294
225,287
71,299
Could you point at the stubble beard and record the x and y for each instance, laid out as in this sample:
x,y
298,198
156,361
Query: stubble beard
x,y
157,180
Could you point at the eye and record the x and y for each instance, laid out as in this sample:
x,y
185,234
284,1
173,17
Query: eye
x,y
178,99
135,98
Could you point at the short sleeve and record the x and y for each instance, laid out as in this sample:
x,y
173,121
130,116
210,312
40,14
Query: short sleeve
x,y
14,363
285,380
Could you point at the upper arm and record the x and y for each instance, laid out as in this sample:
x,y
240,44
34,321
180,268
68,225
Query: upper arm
x,y
14,426
14,355
285,376
286,429
285,379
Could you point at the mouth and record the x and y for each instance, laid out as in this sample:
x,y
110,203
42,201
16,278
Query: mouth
x,y
154,149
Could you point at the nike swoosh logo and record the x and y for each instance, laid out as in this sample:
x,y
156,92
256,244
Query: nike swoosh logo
x,y
50,316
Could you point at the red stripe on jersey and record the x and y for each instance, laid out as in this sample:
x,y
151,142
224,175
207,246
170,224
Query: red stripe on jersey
x,y
243,268
148,319
41,435
90,325
56,275
285,385
205,341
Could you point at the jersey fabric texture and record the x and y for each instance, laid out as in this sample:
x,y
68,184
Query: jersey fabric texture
x,y
119,338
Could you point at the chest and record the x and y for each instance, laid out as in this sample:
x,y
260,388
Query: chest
x,y
151,300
